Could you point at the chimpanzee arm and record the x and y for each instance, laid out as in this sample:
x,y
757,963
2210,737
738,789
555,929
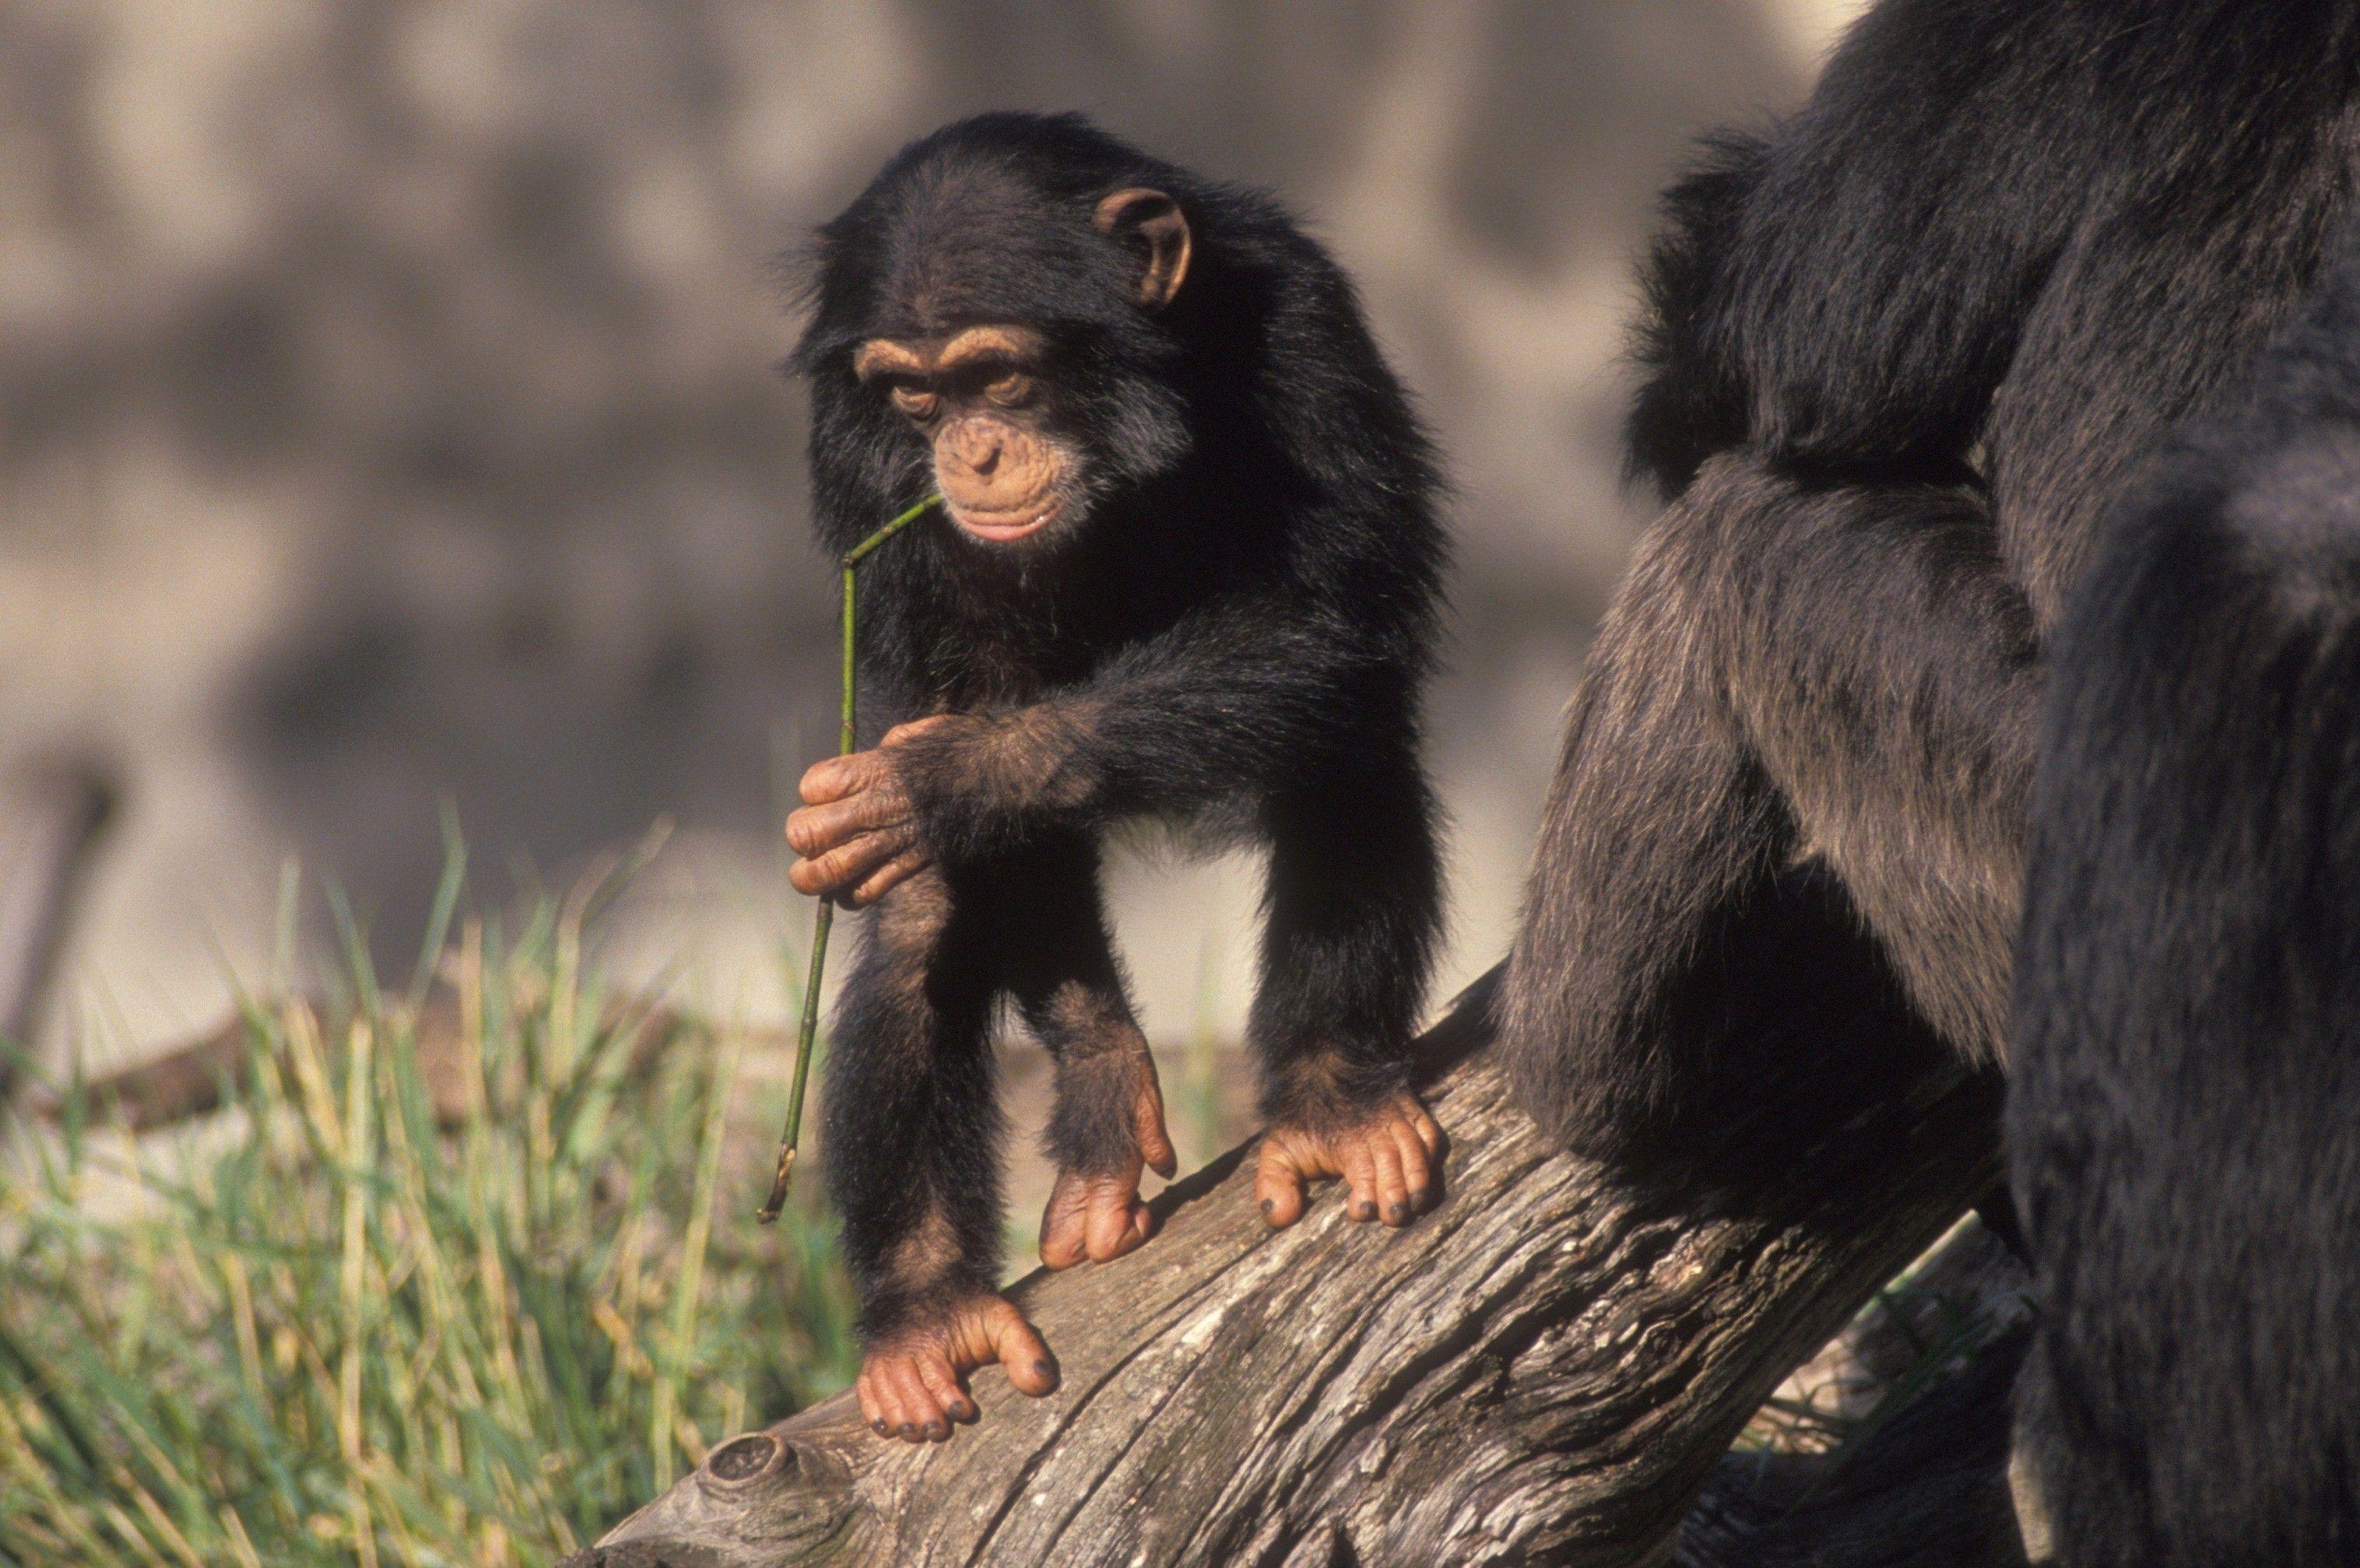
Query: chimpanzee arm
x,y
1355,900
1241,699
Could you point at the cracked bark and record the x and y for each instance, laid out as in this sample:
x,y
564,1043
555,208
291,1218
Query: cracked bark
x,y
1545,1369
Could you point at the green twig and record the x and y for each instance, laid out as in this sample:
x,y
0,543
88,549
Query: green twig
x,y
803,1035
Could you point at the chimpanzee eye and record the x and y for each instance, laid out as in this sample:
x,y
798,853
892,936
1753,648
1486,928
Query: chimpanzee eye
x,y
914,400
1010,390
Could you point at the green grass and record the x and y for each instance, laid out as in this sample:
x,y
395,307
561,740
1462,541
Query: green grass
x,y
332,1329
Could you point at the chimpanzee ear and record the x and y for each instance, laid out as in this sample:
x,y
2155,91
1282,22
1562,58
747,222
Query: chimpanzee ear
x,y
1154,220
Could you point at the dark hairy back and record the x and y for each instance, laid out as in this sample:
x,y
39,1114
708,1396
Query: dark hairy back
x,y
2185,1116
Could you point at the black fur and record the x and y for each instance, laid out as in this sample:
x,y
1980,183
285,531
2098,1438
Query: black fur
x,y
2184,1119
1898,354
1237,637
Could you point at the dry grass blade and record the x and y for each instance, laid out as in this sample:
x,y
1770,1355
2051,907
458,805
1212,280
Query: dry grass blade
x,y
338,1328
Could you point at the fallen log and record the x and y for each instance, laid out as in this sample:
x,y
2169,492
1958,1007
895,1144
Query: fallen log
x,y
197,1079
1546,1369
51,819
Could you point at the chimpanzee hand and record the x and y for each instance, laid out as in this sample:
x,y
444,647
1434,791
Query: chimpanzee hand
x,y
913,1384
1390,1157
856,833
1094,1213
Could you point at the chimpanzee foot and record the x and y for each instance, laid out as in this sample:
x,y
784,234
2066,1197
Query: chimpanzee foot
x,y
1391,1157
913,1385
1098,1215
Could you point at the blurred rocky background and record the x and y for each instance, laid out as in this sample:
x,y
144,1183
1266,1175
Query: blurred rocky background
x,y
389,418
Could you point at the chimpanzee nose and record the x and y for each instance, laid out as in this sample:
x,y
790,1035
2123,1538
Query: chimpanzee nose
x,y
978,447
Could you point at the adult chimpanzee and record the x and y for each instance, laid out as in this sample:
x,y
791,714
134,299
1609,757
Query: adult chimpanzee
x,y
2184,1110
1189,569
1900,354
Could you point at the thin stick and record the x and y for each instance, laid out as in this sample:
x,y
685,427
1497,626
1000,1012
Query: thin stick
x,y
810,1029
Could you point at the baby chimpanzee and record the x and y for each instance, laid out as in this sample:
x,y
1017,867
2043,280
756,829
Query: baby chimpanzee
x,y
1187,568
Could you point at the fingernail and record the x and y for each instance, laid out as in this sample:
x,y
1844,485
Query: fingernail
x,y
1365,1211
1270,1205
910,1431
1399,1211
937,1430
879,1424
1043,1369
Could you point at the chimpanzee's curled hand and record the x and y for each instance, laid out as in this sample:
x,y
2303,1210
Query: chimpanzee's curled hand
x,y
1106,1129
857,834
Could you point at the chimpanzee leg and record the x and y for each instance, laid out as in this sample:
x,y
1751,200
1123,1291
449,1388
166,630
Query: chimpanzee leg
x,y
912,1130
1057,959
1791,667
1354,906
913,1158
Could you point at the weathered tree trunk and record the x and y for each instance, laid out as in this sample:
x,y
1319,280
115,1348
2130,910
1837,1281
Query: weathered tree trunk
x,y
1545,1369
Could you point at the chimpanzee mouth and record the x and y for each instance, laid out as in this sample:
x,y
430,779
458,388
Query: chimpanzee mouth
x,y
1005,528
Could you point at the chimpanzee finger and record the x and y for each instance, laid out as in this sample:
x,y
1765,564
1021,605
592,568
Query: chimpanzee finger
x,y
943,1383
1278,1185
1390,1186
836,777
1020,1351
1117,1224
1153,1139
871,1409
921,1415
913,728
810,877
821,783
1429,1131
1417,1166
826,782
892,1419
815,830
894,872
848,865
1361,1172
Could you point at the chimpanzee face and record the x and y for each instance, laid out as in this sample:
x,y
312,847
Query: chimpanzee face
x,y
1011,437
978,398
